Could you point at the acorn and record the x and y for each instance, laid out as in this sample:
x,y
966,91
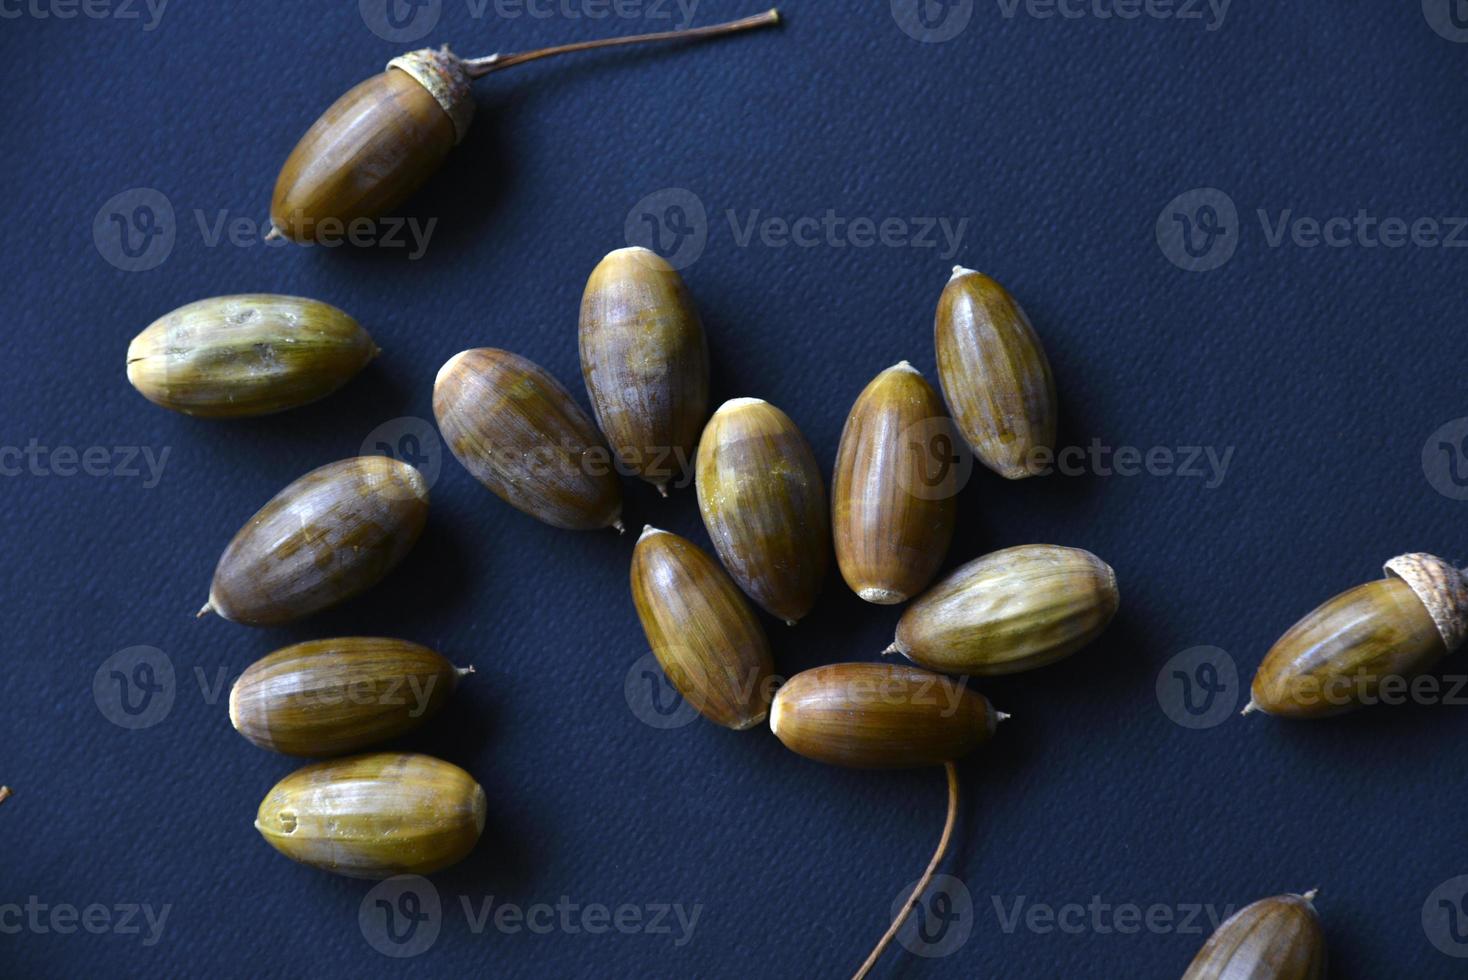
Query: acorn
x,y
377,144
1009,611
880,716
702,630
246,355
645,362
330,697
1276,938
764,505
1338,657
375,816
5,793
522,435
328,536
892,511
995,375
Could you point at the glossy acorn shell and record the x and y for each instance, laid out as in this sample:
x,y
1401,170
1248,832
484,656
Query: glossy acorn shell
x,y
1276,938
702,630
522,435
994,373
366,155
880,716
375,816
645,362
252,354
891,521
1343,650
328,536
330,697
764,505
1009,611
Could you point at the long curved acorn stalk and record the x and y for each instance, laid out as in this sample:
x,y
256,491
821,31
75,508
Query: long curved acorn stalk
x,y
380,141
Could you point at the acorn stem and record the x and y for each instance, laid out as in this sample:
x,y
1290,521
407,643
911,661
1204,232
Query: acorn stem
x,y
927,877
479,67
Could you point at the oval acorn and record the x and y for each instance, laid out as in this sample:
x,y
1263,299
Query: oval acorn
x,y
880,716
331,534
329,697
522,435
380,141
246,355
892,516
375,816
646,364
1276,938
1009,611
704,634
764,505
1347,653
995,375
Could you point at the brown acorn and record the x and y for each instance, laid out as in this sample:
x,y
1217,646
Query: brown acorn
x,y
764,505
880,716
1012,610
378,143
1340,656
522,435
702,630
646,363
329,697
331,534
995,375
1276,938
375,816
892,515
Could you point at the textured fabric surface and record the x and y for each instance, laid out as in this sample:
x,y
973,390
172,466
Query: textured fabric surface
x,y
1050,147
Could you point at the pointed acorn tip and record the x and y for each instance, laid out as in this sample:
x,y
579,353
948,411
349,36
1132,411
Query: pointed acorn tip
x,y
891,651
208,608
1310,895
791,622
1249,709
274,233
4,793
663,490
619,526
1001,716
959,270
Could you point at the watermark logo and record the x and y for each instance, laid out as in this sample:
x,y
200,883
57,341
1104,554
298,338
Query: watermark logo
x,y
1445,459
671,222
654,698
1449,18
90,9
1199,688
941,463
1445,917
941,921
400,21
410,440
1198,231
932,21
134,688
401,917
135,230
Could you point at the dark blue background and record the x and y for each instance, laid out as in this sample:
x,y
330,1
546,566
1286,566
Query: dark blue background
x,y
1060,142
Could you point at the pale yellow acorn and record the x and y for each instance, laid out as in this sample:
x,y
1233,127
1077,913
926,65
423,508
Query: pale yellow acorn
x,y
892,516
252,354
1276,938
1010,611
995,375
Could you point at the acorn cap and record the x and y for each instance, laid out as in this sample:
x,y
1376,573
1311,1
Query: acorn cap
x,y
443,74
1442,589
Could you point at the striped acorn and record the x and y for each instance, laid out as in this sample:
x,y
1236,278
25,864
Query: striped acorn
x,y
1352,649
375,816
995,375
646,364
330,697
702,630
1276,938
328,536
764,505
522,435
1010,611
880,716
253,354
891,516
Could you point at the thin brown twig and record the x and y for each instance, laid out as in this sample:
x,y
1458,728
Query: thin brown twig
x,y
917,892
479,67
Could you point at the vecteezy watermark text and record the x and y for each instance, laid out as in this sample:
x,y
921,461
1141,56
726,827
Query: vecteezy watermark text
x,y
39,918
90,9
123,462
1103,918
403,21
